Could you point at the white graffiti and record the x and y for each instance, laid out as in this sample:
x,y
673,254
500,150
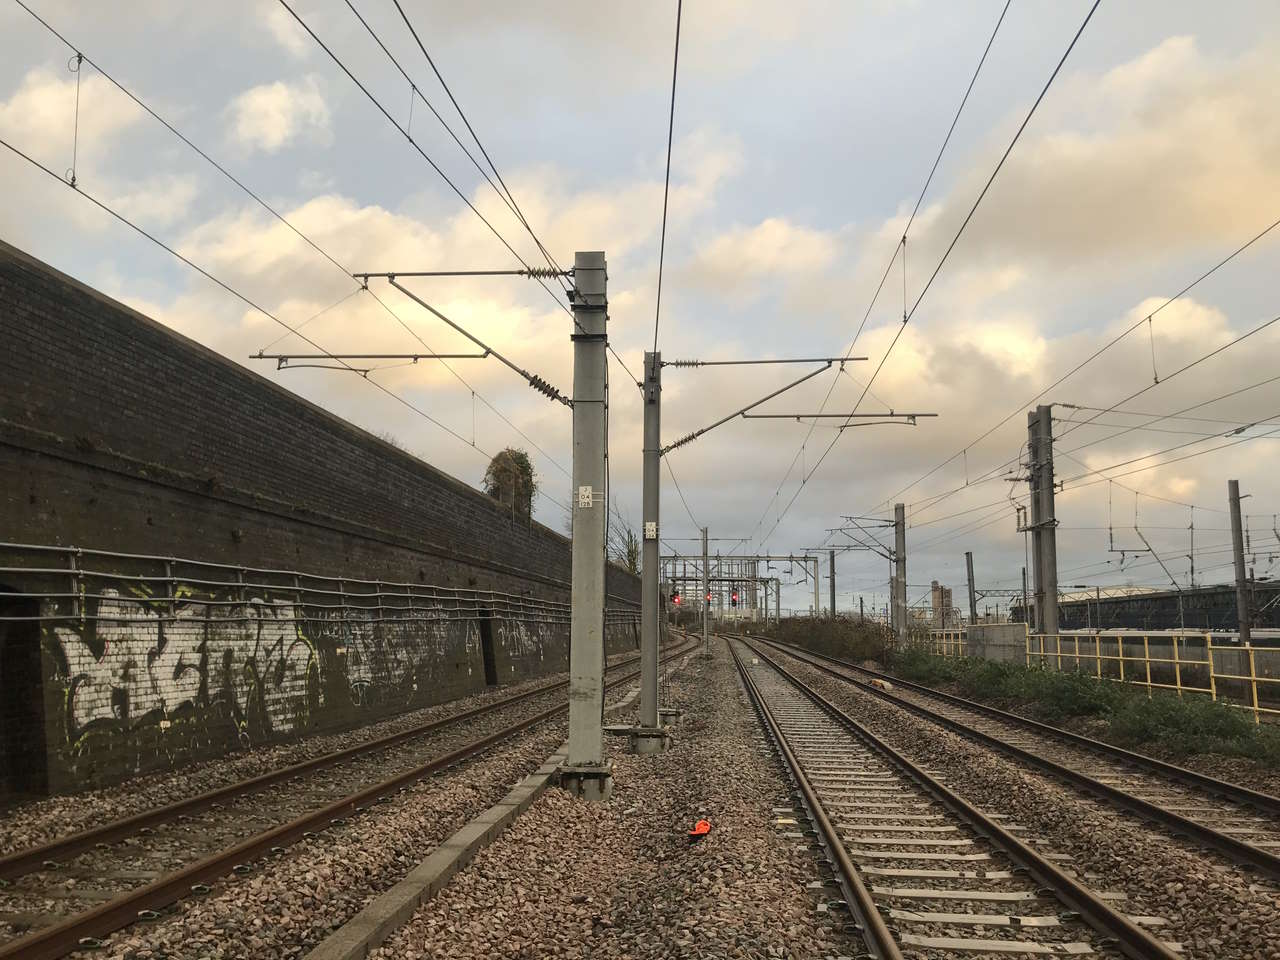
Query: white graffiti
x,y
131,664
385,655
258,645
153,663
522,641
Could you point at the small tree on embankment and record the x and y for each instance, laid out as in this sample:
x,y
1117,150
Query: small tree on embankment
x,y
510,480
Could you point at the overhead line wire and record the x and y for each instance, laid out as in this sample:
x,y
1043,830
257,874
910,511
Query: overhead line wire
x,y
982,195
1177,296
991,474
504,194
1073,483
234,292
416,92
899,248
667,461
1181,446
954,240
294,229
1171,416
434,166
513,205
1183,369
1128,428
666,187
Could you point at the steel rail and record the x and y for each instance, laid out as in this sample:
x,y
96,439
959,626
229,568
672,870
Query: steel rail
x,y
875,932
20,862
1131,939
1232,791
1231,847
82,929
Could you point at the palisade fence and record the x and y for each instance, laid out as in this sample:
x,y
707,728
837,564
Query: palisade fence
x,y
1240,675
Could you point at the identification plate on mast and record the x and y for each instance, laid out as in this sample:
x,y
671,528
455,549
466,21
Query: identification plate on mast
x,y
584,496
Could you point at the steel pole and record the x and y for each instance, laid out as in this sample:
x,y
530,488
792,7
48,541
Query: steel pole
x,y
586,772
900,567
1044,535
1237,548
973,596
1049,541
831,564
650,600
892,606
706,594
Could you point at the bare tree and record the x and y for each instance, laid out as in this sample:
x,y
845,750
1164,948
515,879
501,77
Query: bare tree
x,y
624,546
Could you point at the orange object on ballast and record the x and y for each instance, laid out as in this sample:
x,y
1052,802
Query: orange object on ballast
x,y
700,829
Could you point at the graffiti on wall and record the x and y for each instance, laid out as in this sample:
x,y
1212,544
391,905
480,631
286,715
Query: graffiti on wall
x,y
393,657
246,666
135,681
138,681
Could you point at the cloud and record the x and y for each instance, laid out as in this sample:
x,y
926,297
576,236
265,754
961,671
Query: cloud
x,y
286,31
271,116
160,201
1166,153
742,260
41,114
1139,171
624,213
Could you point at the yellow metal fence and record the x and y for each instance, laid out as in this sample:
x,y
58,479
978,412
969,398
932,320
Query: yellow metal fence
x,y
946,643
1247,677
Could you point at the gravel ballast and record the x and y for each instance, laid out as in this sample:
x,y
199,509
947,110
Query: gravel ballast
x,y
1213,909
43,820
1243,770
289,903
621,879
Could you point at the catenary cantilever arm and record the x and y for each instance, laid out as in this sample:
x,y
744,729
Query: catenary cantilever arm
x,y
878,549
738,413
532,379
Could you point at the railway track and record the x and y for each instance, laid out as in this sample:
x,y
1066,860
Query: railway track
x,y
66,894
1242,825
923,871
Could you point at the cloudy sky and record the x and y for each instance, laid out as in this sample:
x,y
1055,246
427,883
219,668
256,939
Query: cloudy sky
x,y
803,135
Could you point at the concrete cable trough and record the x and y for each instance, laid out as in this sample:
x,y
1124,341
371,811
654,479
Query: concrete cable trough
x,y
928,871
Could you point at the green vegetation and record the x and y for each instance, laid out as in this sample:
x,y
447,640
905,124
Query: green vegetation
x,y
510,479
1178,726
845,637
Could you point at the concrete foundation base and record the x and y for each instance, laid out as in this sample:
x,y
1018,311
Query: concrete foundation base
x,y
641,739
669,716
649,739
593,783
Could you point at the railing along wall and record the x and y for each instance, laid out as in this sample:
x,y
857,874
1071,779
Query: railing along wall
x,y
131,662
147,581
